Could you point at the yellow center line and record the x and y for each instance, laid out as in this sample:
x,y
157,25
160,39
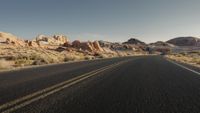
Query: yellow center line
x,y
53,89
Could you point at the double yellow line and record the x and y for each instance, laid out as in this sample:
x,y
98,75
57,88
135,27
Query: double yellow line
x,y
26,100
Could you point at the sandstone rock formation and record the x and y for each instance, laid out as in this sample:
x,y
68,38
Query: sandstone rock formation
x,y
88,46
55,40
185,41
41,38
44,40
11,39
33,44
61,39
97,46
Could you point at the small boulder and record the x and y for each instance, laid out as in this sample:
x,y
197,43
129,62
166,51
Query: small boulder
x,y
39,62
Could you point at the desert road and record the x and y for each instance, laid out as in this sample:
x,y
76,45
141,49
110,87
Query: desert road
x,y
142,84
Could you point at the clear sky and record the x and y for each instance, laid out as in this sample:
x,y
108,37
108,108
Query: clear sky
x,y
111,20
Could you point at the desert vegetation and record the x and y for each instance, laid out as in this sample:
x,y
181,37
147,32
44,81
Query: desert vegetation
x,y
192,57
12,56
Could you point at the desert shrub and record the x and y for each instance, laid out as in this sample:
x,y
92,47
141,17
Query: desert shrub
x,y
178,55
39,62
97,54
69,58
183,53
43,59
102,56
194,52
198,62
89,57
73,57
22,62
35,56
19,57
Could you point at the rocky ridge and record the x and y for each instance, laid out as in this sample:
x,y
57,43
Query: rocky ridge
x,y
57,48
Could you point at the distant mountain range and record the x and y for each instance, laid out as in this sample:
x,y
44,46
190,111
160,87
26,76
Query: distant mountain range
x,y
179,41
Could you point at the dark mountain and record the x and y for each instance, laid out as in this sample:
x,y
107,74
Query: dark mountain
x,y
185,41
134,41
161,44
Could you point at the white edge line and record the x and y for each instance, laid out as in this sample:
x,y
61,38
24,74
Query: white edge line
x,y
183,67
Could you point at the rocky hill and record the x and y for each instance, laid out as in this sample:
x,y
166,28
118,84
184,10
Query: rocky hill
x,y
134,41
160,47
185,41
161,44
8,38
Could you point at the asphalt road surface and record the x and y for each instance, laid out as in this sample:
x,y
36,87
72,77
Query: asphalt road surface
x,y
145,84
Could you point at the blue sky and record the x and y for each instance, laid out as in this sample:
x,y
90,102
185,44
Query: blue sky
x,y
111,20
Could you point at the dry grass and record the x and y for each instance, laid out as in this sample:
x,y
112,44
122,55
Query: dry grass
x,y
192,58
37,56
27,56
4,64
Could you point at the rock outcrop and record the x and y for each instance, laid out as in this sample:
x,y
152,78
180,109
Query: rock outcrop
x,y
97,46
61,39
55,40
88,46
33,44
185,41
11,39
116,46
